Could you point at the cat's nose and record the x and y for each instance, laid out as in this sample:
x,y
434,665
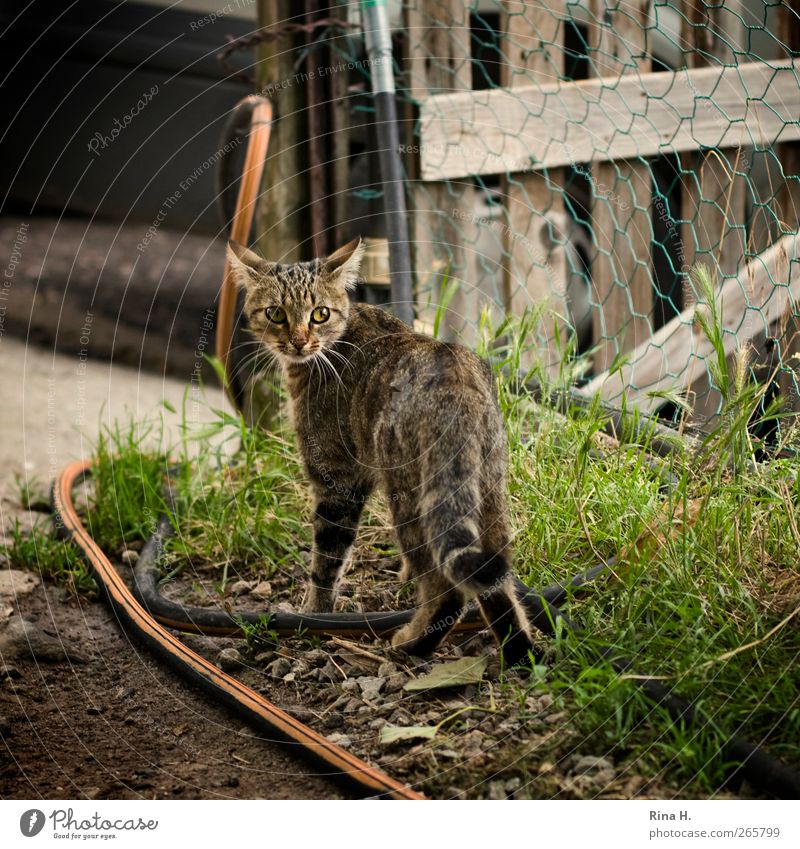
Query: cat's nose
x,y
299,341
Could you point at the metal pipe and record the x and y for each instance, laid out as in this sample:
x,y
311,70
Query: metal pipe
x,y
378,36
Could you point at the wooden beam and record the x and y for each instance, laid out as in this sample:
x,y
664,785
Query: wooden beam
x,y
283,220
443,223
622,283
534,258
714,190
501,131
789,211
752,303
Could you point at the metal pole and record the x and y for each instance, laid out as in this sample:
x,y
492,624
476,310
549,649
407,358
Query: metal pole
x,y
378,36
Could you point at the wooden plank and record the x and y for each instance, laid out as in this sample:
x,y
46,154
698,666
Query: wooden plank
x,y
442,221
534,127
534,266
622,283
752,303
339,109
789,210
714,199
283,221
714,191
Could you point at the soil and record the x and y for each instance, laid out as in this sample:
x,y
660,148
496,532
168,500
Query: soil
x,y
121,726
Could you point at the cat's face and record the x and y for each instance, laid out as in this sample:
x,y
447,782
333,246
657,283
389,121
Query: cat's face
x,y
297,310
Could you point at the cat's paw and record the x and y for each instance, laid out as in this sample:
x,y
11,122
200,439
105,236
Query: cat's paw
x,y
408,639
317,601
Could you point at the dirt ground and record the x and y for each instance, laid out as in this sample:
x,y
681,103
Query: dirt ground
x,y
119,726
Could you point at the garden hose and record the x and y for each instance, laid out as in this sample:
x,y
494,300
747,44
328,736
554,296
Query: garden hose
x,y
267,717
258,111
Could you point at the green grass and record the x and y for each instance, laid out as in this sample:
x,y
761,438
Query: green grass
x,y
42,552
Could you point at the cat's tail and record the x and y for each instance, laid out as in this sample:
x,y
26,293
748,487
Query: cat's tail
x,y
452,518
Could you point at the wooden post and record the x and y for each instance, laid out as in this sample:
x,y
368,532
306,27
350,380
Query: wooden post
x,y
714,200
283,221
443,223
622,280
714,206
789,206
339,108
534,232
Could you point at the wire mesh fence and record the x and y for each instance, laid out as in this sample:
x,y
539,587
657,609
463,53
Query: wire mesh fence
x,y
584,156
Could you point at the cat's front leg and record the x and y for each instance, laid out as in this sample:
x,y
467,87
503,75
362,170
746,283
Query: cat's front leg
x,y
335,524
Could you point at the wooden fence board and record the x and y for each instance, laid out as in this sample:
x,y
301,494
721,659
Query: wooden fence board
x,y
534,269
622,284
442,220
675,357
500,131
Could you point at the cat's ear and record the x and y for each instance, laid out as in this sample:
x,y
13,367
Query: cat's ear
x,y
345,263
247,266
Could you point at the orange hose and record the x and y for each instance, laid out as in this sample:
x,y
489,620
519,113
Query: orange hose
x,y
134,618
246,203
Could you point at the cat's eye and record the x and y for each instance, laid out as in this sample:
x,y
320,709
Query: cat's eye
x,y
320,315
277,315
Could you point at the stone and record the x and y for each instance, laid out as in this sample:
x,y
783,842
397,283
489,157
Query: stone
x,y
341,740
316,657
240,588
129,557
124,693
387,669
371,687
279,668
229,660
15,582
591,763
262,591
497,790
21,637
329,673
300,668
396,682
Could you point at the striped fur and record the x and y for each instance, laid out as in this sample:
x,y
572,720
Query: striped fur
x,y
376,405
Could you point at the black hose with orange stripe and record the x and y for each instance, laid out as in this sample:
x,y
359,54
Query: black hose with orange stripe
x,y
339,764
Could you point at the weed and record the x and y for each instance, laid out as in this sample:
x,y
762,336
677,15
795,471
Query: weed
x,y
42,552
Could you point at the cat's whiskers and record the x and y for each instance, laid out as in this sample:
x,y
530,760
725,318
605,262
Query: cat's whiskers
x,y
323,358
248,361
345,361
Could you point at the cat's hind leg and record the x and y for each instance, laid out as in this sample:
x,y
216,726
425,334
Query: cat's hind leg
x,y
439,603
488,578
482,573
439,607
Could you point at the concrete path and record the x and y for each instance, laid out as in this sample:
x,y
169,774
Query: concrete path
x,y
53,406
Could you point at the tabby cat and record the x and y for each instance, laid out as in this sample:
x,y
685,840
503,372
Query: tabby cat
x,y
376,404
